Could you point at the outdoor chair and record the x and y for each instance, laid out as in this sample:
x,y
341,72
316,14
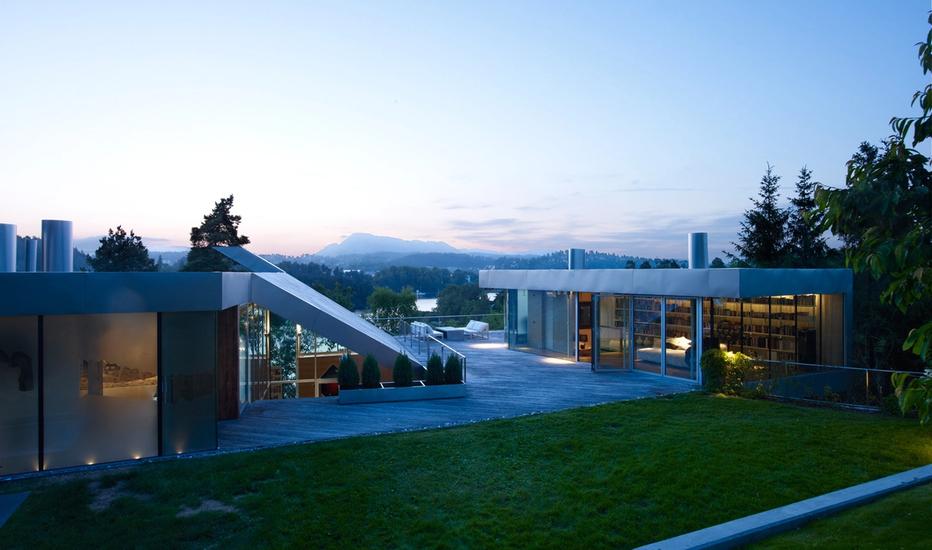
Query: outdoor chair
x,y
477,329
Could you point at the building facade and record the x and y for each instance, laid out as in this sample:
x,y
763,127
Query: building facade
x,y
661,320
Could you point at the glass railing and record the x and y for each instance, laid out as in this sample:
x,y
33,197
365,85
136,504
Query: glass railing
x,y
853,386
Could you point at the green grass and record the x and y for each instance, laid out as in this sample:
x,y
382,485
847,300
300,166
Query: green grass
x,y
901,520
615,475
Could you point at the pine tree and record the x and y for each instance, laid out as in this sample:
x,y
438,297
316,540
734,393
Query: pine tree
x,y
219,228
762,239
807,245
120,251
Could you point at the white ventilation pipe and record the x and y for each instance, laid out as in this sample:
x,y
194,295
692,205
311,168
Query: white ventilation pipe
x,y
698,250
57,245
7,247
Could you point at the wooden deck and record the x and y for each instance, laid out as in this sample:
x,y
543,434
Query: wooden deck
x,y
502,383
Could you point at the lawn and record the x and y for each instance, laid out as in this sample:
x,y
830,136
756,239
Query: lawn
x,y
615,475
901,520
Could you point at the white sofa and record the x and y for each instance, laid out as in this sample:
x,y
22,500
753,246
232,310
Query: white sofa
x,y
476,329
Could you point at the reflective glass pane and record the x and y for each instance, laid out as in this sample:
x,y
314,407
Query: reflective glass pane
x,y
681,359
19,408
189,357
648,342
100,388
614,332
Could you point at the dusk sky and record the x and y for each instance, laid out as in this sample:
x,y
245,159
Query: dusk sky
x,y
508,126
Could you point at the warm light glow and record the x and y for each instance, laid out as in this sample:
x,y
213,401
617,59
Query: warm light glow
x,y
90,462
555,361
489,346
137,457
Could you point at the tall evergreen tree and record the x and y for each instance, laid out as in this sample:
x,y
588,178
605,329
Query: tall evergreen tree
x,y
762,239
119,251
219,228
807,246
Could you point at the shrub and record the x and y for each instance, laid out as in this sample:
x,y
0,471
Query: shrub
x,y
347,373
435,374
724,371
403,372
371,375
453,370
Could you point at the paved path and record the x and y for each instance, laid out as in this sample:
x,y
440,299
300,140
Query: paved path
x,y
501,384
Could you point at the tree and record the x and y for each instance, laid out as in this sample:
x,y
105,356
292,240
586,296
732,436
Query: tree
x,y
645,264
386,303
347,373
807,246
717,263
119,251
762,238
463,300
886,210
219,228
630,264
371,375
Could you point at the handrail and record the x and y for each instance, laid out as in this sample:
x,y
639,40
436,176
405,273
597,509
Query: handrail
x,y
428,340
815,365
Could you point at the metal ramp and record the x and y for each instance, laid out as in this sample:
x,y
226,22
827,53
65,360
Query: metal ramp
x,y
272,288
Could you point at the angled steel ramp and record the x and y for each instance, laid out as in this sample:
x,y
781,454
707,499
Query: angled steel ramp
x,y
288,297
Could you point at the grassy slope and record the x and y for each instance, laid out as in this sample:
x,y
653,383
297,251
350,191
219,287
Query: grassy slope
x,y
621,475
901,520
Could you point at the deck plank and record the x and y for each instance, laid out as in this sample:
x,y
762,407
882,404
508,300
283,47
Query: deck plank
x,y
501,384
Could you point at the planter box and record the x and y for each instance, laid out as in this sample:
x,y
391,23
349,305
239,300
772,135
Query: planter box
x,y
410,393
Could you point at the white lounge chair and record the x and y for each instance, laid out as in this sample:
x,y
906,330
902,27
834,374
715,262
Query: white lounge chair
x,y
477,329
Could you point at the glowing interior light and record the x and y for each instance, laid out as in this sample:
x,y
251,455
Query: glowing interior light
x,y
555,361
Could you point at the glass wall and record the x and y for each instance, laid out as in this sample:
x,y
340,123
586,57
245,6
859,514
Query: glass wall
x,y
100,388
542,322
254,367
680,340
19,406
614,331
189,358
648,339
805,328
517,318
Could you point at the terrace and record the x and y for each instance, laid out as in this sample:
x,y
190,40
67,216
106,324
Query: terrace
x,y
501,383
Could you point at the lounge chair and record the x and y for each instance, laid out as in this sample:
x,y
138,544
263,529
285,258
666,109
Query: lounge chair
x,y
476,329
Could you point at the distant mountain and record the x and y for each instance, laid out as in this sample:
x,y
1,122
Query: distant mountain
x,y
366,243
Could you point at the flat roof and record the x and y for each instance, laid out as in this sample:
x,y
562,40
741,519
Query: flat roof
x,y
724,283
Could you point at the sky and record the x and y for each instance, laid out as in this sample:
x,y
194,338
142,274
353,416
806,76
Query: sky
x,y
509,126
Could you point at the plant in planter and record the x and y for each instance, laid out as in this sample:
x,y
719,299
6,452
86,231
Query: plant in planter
x,y
435,374
403,372
724,371
453,370
371,375
347,373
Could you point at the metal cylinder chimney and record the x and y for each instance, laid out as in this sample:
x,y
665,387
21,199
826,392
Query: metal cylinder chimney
x,y
577,258
7,247
57,245
31,254
698,250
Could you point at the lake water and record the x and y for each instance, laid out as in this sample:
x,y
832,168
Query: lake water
x,y
428,304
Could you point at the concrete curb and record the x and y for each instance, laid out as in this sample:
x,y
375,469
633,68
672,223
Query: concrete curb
x,y
766,524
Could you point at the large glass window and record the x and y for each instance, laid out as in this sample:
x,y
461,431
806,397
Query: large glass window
x,y
648,340
100,388
680,341
542,322
614,332
19,408
189,358
254,367
806,328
